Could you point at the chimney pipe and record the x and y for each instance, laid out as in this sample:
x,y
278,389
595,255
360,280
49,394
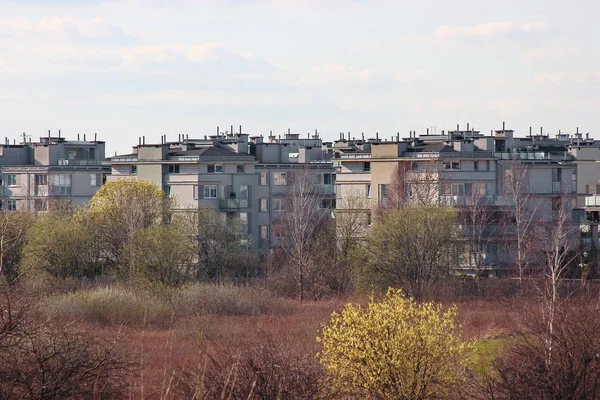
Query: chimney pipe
x,y
59,133
139,140
143,139
467,127
289,131
96,136
217,130
48,133
428,131
240,129
84,138
363,136
187,136
503,126
231,131
457,127
530,134
541,130
377,136
78,136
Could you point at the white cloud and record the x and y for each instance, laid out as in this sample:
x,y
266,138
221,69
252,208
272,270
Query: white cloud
x,y
489,30
558,78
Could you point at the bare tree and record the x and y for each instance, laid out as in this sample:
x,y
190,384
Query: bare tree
x,y
13,231
522,214
476,219
300,225
414,182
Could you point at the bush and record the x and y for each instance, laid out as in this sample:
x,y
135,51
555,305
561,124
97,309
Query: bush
x,y
226,300
540,364
41,361
393,349
109,306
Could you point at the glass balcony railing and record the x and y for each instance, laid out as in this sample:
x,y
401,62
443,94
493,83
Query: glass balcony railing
x,y
233,203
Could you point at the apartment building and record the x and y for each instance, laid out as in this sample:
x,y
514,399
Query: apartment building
x,y
36,175
458,168
241,177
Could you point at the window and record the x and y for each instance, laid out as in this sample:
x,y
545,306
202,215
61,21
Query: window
x,y
173,168
61,184
11,180
556,203
414,166
244,191
195,189
278,205
133,169
240,168
214,169
280,178
92,154
11,205
368,187
264,178
218,169
366,167
41,180
383,191
487,165
210,168
451,165
244,221
264,205
210,191
264,232
95,180
476,165
327,179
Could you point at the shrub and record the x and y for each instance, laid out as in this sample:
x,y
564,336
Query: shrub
x,y
226,300
109,306
393,349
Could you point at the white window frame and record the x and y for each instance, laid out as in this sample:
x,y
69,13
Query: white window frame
x,y
210,191
263,232
451,165
11,180
11,205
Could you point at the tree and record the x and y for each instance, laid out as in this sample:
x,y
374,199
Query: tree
x,y
521,215
414,183
61,245
393,349
526,370
300,225
121,207
159,255
476,218
218,243
13,232
412,248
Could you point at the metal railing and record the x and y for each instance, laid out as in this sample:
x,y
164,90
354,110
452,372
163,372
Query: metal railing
x,y
592,201
64,161
233,203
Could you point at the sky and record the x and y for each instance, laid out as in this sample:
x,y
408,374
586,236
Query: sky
x,y
127,68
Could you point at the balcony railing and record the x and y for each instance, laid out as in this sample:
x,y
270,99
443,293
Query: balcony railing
x,y
463,201
233,203
325,189
64,161
592,201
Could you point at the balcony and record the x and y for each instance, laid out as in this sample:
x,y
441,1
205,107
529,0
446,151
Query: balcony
x,y
325,189
65,162
592,201
464,201
233,203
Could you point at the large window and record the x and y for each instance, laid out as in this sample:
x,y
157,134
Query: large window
x,y
133,170
11,205
280,178
11,180
264,178
173,168
61,184
366,167
240,168
210,191
95,180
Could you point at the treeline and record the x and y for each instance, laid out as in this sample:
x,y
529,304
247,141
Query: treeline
x,y
130,233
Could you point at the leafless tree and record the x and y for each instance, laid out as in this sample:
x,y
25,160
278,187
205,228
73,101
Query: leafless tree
x,y
414,182
476,219
300,225
13,230
521,215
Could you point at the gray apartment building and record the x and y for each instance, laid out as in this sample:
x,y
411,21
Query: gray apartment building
x,y
461,163
35,175
240,176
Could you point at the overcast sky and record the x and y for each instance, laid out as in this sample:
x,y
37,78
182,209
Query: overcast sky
x,y
126,68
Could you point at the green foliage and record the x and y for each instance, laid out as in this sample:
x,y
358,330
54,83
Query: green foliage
x,y
13,232
160,255
121,207
393,349
62,246
411,248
